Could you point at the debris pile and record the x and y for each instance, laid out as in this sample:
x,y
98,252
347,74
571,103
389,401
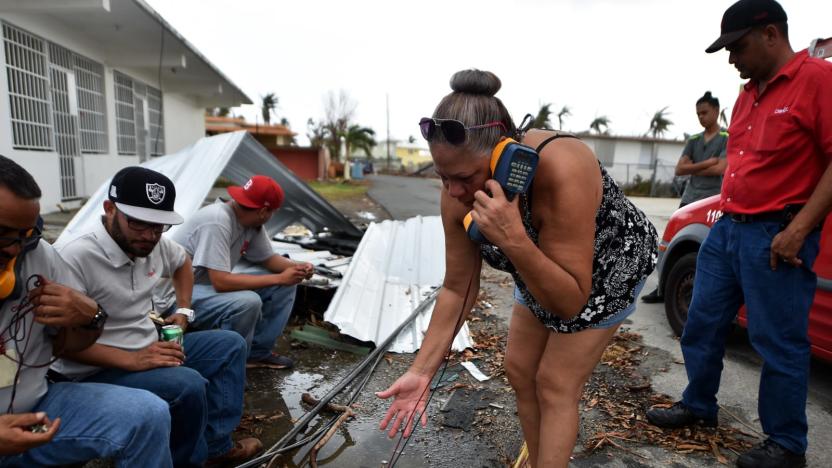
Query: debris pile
x,y
622,394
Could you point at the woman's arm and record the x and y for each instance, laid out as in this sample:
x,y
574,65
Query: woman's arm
x,y
566,195
462,275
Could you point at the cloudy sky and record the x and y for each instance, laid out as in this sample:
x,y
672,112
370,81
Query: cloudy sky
x,y
623,59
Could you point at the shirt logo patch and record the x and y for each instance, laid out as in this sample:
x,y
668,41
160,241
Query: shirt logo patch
x,y
155,193
151,273
781,110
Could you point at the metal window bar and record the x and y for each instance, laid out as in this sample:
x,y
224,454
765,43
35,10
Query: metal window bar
x,y
156,122
66,129
92,106
125,114
139,94
28,84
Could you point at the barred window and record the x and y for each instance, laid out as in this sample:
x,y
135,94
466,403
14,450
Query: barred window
x,y
125,114
155,124
92,105
28,81
139,116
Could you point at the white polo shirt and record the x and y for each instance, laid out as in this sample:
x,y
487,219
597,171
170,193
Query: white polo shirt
x,y
123,287
31,387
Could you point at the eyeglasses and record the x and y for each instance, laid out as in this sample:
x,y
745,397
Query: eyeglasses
x,y
455,132
141,226
26,239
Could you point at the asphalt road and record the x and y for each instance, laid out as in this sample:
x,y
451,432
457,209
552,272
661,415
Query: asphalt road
x,y
404,197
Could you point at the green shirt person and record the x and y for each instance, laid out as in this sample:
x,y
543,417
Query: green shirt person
x,y
703,158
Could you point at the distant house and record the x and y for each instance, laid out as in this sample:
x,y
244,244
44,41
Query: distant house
x,y
268,135
308,163
403,155
624,157
91,86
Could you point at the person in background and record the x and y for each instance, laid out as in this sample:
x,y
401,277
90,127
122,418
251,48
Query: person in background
x,y
703,161
776,194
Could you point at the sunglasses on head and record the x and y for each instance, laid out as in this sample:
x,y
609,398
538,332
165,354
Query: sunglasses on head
x,y
454,131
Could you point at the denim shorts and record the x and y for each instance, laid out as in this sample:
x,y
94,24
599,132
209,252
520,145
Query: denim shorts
x,y
608,322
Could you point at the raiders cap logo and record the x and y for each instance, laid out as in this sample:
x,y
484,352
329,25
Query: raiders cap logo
x,y
155,193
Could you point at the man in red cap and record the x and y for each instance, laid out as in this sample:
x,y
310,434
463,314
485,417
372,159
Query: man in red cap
x,y
256,305
776,192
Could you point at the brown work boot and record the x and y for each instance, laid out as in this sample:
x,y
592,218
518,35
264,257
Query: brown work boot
x,y
242,450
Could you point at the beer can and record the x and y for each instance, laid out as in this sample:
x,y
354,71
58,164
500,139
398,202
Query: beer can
x,y
173,333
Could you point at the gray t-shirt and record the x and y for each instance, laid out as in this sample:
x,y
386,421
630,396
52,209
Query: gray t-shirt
x,y
216,240
31,385
123,287
698,150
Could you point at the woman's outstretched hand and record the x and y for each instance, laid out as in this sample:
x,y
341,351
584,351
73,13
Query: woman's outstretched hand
x,y
409,398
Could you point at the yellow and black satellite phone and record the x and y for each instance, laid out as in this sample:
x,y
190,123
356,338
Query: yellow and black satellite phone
x,y
513,166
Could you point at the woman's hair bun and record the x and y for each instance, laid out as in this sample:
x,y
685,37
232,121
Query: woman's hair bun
x,y
475,82
707,95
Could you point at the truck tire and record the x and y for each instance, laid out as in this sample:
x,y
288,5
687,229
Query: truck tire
x,y
678,291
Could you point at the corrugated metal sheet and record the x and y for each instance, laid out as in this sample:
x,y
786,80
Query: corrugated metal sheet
x,y
235,156
396,265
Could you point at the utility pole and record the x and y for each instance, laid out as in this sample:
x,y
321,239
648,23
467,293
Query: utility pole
x,y
387,99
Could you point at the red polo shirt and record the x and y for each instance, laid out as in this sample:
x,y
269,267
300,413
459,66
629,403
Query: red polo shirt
x,y
780,141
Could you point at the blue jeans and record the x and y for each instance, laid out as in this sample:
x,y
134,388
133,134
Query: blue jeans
x,y
205,394
101,421
259,316
732,268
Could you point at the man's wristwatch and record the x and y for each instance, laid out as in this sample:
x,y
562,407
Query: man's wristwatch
x,y
189,313
97,322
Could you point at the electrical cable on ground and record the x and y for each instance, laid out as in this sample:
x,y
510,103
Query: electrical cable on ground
x,y
281,445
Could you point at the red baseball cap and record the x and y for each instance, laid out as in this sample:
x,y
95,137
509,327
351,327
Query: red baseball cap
x,y
260,191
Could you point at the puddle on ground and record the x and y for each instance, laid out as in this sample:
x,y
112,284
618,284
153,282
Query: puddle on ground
x,y
358,443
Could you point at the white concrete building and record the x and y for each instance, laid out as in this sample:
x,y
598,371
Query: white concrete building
x,y
625,157
90,86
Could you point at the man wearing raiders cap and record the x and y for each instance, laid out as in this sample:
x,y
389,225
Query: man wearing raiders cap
x,y
776,192
119,264
257,306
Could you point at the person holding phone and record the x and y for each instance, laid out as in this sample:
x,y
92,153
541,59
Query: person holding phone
x,y
578,251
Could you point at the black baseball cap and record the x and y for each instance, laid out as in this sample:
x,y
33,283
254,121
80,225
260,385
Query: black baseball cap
x,y
145,195
740,17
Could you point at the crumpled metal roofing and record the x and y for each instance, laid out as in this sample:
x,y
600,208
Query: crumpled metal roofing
x,y
395,266
235,156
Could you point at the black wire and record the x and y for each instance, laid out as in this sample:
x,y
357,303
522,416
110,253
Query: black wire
x,y
18,333
160,125
394,458
319,433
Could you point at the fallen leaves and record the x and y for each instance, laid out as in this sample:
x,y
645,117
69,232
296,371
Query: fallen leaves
x,y
622,396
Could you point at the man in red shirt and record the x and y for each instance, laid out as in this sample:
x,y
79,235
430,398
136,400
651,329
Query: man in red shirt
x,y
776,192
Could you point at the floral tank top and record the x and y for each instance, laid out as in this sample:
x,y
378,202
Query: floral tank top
x,y
625,253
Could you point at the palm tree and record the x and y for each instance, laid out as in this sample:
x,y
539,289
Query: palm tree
x,y
599,122
564,112
359,137
723,118
543,116
268,104
659,123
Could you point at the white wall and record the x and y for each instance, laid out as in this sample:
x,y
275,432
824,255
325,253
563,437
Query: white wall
x,y
184,121
183,117
632,157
